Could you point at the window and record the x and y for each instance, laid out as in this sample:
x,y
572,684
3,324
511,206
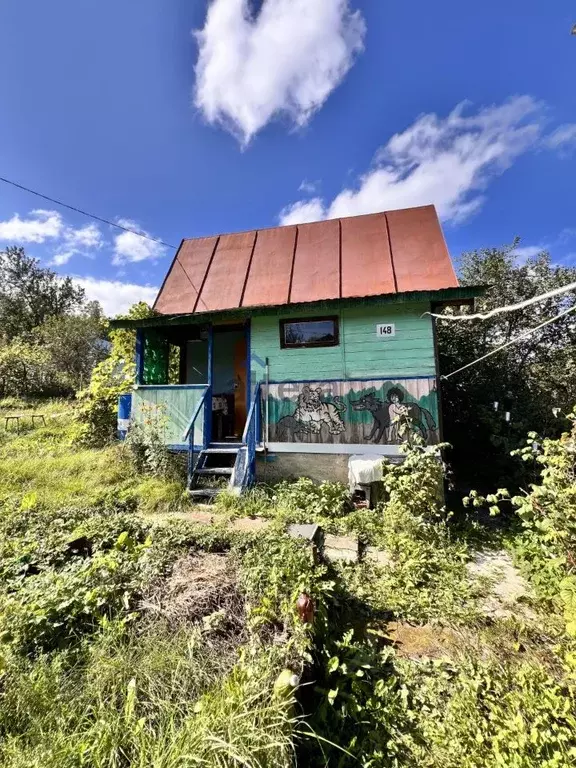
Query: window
x,y
309,332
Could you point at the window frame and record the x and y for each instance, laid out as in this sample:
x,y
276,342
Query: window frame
x,y
335,319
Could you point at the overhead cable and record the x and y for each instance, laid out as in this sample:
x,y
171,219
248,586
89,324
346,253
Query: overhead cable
x,y
512,341
85,213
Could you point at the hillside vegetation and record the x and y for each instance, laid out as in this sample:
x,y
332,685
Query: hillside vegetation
x,y
132,638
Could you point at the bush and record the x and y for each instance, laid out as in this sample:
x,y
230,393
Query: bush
x,y
98,413
146,444
547,515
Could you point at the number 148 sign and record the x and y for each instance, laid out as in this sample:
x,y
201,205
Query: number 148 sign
x,y
385,330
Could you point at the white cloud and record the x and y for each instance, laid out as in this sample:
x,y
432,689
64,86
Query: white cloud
x,y
38,227
303,211
76,241
309,187
115,296
85,237
130,247
525,252
562,137
286,60
444,161
42,226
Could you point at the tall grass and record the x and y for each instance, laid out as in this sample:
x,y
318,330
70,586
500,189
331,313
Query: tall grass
x,y
49,466
154,700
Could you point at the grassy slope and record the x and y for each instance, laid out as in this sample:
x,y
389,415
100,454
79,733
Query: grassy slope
x,y
496,693
47,463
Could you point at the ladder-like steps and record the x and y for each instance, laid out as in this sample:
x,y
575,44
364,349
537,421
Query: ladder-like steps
x,y
204,493
214,464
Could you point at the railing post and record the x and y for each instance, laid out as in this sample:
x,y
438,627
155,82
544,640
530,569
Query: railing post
x,y
190,456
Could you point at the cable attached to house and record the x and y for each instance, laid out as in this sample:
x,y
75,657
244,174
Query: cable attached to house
x,y
509,308
85,213
512,341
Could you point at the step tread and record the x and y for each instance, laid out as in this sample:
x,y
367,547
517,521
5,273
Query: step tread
x,y
204,491
235,444
214,471
220,450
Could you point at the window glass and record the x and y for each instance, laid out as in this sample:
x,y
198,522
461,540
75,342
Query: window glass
x,y
318,332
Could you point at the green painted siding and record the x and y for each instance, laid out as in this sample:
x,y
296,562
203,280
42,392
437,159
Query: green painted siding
x,y
360,353
173,407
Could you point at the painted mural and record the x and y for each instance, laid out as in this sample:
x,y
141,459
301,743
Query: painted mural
x,y
383,412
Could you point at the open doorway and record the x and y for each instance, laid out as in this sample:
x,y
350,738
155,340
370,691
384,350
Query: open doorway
x,y
229,382
229,375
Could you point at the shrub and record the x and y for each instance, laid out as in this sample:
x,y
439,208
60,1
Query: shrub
x,y
547,516
98,410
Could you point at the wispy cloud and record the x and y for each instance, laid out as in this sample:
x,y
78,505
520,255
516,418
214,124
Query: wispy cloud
x,y
446,161
562,138
130,247
84,241
41,226
115,296
309,187
525,252
284,60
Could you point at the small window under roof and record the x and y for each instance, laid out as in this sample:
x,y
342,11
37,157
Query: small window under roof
x,y
309,332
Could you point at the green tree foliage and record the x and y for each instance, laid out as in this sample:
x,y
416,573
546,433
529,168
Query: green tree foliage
x,y
529,379
75,344
111,378
30,294
50,339
24,369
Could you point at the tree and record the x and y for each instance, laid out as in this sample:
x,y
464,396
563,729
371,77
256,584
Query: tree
x,y
530,379
30,294
24,369
75,344
112,377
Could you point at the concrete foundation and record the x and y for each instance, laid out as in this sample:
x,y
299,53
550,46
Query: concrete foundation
x,y
319,467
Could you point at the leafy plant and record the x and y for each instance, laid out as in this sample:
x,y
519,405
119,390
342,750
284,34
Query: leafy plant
x,y
146,444
547,516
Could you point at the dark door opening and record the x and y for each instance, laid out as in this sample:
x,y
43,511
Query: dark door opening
x,y
229,382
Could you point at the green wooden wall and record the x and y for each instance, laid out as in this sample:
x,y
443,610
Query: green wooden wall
x,y
172,408
360,354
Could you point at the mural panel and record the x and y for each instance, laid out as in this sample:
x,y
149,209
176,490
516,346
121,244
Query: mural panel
x,y
379,411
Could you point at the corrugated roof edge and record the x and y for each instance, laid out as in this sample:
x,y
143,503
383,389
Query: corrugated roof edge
x,y
464,294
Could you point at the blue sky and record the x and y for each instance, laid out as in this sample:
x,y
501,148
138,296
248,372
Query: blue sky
x,y
299,111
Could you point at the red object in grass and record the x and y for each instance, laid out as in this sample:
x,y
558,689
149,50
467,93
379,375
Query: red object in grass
x,y
305,608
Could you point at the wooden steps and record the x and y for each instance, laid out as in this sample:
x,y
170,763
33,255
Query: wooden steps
x,y
214,463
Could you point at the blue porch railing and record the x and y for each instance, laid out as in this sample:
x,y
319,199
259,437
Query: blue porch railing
x,y
245,467
188,436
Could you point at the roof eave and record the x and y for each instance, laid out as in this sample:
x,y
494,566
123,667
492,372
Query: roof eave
x,y
463,295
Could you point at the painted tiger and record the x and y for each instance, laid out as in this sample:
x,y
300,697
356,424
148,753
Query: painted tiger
x,y
312,411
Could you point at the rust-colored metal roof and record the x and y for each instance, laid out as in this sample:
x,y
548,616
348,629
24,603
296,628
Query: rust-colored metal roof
x,y
373,255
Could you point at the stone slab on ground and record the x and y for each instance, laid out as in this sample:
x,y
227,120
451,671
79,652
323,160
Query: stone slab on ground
x,y
378,556
343,548
507,585
309,531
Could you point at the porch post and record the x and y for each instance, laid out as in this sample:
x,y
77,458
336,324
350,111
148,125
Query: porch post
x,y
208,403
139,360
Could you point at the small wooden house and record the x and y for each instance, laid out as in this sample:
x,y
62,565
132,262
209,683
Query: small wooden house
x,y
298,346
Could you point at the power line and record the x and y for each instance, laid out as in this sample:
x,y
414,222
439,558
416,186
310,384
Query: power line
x,y
512,341
85,213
